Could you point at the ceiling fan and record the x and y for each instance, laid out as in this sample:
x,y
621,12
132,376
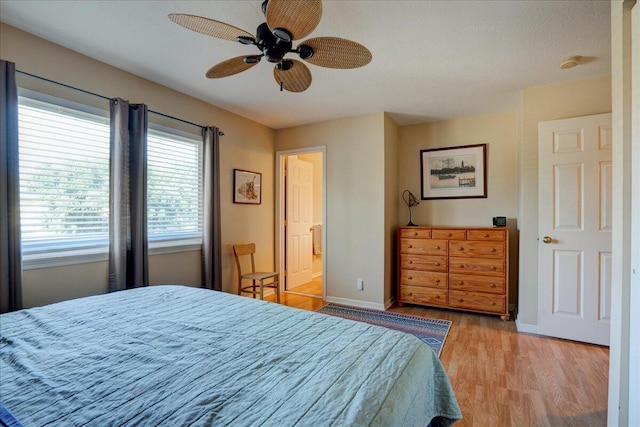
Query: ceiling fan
x,y
286,21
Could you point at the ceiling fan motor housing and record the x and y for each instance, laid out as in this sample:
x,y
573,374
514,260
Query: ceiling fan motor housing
x,y
274,48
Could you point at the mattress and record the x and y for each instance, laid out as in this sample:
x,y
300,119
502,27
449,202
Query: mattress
x,y
182,356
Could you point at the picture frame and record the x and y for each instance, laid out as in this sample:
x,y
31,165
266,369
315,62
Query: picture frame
x,y
247,187
454,172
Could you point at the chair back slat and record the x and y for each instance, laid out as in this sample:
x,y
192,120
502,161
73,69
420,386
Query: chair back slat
x,y
241,250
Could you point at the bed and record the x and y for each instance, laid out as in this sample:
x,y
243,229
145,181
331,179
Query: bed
x,y
182,356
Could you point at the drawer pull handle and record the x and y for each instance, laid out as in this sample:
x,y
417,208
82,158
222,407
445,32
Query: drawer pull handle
x,y
460,300
492,267
460,266
448,234
410,246
493,249
409,262
415,233
461,248
410,277
493,285
437,264
485,235
410,293
460,282
437,296
493,303
437,280
437,248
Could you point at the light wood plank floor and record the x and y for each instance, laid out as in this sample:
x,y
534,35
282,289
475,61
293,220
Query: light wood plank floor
x,y
505,378
312,288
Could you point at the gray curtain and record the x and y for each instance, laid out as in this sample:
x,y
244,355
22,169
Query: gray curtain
x,y
128,247
10,242
211,246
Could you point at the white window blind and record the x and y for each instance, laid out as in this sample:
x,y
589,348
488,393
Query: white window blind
x,y
174,190
64,183
64,177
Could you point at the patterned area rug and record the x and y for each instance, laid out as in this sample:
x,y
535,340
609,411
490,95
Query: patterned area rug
x,y
432,332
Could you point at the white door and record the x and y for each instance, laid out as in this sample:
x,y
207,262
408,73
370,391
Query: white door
x,y
574,256
299,211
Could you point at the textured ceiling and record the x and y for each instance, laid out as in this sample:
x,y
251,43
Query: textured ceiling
x,y
432,60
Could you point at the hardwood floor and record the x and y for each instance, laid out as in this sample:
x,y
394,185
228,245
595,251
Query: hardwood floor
x,y
312,288
505,378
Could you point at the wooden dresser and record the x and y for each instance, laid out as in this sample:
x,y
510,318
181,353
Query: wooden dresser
x,y
460,268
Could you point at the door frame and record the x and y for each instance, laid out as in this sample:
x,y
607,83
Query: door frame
x,y
280,210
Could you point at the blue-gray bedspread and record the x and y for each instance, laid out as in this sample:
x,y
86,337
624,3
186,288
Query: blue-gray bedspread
x,y
182,356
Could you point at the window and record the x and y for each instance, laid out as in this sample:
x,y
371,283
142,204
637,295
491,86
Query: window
x,y
64,184
174,190
64,177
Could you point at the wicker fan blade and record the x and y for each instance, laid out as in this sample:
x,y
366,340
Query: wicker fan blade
x,y
299,17
229,68
210,27
295,79
335,52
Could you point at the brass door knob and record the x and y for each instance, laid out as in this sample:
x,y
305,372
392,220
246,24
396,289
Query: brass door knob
x,y
547,239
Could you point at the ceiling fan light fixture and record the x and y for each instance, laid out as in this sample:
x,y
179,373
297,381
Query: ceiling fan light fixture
x,y
252,59
285,65
282,34
246,40
305,51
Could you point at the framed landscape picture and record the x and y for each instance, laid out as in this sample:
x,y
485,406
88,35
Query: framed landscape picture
x,y
454,172
247,187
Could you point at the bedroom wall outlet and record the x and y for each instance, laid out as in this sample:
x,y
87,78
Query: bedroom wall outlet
x,y
359,285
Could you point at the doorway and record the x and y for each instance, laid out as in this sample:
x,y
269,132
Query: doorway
x,y
300,220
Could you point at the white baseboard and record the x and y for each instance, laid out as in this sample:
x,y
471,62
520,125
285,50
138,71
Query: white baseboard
x,y
526,327
355,303
318,274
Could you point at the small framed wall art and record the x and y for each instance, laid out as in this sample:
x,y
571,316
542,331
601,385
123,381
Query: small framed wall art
x,y
247,187
454,172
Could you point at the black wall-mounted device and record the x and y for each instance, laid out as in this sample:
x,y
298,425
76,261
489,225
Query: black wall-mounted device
x,y
499,221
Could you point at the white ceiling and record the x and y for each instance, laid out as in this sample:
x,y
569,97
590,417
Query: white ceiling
x,y
432,60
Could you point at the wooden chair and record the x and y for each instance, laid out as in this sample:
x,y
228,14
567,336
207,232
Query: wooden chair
x,y
257,278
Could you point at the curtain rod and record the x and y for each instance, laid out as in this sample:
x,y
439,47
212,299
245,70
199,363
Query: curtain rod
x,y
220,133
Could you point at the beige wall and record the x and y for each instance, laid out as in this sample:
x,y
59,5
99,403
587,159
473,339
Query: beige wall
x,y
246,145
355,208
369,162
551,102
500,133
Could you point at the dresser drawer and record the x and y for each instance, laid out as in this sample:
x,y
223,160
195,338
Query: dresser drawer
x,y
482,249
477,301
424,247
424,279
486,234
423,262
419,295
472,283
449,234
480,266
416,233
